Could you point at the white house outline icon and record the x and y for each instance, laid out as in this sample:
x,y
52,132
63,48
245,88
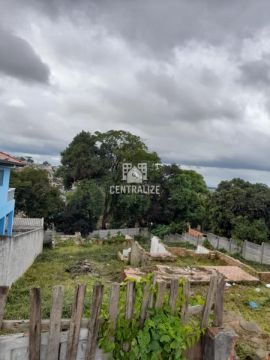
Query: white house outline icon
x,y
134,174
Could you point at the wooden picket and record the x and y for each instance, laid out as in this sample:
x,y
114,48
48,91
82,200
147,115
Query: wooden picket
x,y
35,325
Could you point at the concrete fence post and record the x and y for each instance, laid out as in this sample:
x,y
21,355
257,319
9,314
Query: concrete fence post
x,y
218,242
262,252
244,248
219,344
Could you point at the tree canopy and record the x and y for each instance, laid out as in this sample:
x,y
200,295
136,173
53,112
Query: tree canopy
x,y
93,161
239,208
35,196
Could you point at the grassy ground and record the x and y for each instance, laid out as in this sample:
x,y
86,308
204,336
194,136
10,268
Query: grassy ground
x,y
50,269
237,298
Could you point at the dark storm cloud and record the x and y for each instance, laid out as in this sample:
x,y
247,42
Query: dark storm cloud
x,y
19,60
161,25
188,76
256,72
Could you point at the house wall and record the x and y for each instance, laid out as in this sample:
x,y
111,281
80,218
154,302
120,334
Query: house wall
x,y
6,207
4,187
17,253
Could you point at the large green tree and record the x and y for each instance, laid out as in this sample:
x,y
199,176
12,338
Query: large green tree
x,y
35,196
99,157
237,202
83,209
183,197
81,159
251,230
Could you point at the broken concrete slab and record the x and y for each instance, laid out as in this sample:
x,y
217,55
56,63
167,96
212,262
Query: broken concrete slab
x,y
159,252
202,250
250,326
234,274
124,255
167,273
199,275
157,247
138,256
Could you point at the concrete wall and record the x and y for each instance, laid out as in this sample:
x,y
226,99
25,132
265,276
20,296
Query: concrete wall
x,y
248,250
16,347
17,253
27,223
102,234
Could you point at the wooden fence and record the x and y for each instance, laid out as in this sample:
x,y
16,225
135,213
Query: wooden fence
x,y
35,326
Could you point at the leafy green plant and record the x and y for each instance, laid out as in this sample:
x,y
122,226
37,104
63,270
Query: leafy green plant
x,y
162,337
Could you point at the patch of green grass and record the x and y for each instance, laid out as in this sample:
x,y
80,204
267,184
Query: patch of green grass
x,y
244,352
185,245
237,298
49,269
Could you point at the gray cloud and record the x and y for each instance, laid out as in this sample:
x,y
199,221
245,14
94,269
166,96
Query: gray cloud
x,y
198,100
19,60
190,77
256,72
161,25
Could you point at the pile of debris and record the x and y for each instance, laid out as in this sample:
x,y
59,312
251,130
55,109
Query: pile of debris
x,y
82,267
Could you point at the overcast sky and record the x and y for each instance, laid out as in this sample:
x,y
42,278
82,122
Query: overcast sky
x,y
191,77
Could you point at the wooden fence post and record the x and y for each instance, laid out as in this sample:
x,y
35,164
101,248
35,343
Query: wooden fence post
x,y
3,299
93,325
113,307
184,310
75,322
152,295
35,324
209,301
145,303
55,323
129,307
173,294
160,294
219,301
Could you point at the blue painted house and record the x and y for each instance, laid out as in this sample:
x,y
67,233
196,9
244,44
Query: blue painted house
x,y
7,202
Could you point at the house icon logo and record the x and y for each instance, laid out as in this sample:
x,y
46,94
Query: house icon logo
x,y
134,174
134,177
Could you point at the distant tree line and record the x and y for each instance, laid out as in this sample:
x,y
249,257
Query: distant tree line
x,y
93,161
